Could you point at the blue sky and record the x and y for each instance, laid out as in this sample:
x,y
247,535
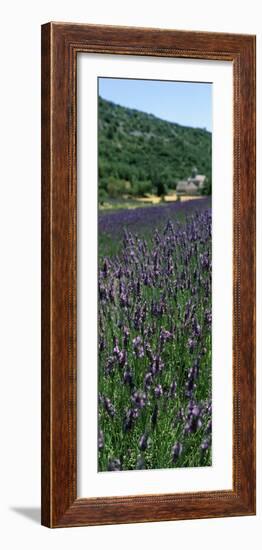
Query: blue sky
x,y
187,103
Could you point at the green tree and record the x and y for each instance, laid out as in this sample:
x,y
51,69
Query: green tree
x,y
161,188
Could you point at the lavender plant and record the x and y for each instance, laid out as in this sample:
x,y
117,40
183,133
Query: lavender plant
x,y
155,315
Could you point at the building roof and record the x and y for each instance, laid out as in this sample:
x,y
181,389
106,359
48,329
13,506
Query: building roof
x,y
191,188
198,179
187,187
182,185
192,185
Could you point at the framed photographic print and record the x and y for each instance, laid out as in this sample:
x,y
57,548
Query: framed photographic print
x,y
148,275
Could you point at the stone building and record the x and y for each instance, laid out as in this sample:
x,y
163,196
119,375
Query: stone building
x,y
193,185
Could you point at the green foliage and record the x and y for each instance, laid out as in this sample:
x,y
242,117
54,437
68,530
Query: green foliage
x,y
161,188
117,187
131,310
102,196
141,149
207,190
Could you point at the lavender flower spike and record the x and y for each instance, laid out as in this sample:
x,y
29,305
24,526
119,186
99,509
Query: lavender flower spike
x,y
143,443
176,451
114,465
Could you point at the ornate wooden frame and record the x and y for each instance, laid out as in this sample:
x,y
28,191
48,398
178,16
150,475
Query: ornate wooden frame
x,y
60,44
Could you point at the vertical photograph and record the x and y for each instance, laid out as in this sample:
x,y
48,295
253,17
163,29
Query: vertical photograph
x,y
154,274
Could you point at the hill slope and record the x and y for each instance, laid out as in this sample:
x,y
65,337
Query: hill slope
x,y
138,150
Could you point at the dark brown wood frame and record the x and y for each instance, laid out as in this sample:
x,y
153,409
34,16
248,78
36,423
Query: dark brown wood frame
x,y
60,44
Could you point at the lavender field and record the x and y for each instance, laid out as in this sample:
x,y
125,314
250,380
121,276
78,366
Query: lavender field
x,y
155,316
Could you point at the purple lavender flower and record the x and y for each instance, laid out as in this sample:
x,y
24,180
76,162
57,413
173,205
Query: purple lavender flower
x,y
148,379
110,409
143,442
169,228
159,363
138,347
196,329
193,424
158,391
116,349
173,388
165,335
123,300
149,351
139,399
191,344
103,293
208,317
114,465
205,445
105,267
209,426
100,440
129,418
128,378
109,367
176,451
111,294
196,410
155,302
